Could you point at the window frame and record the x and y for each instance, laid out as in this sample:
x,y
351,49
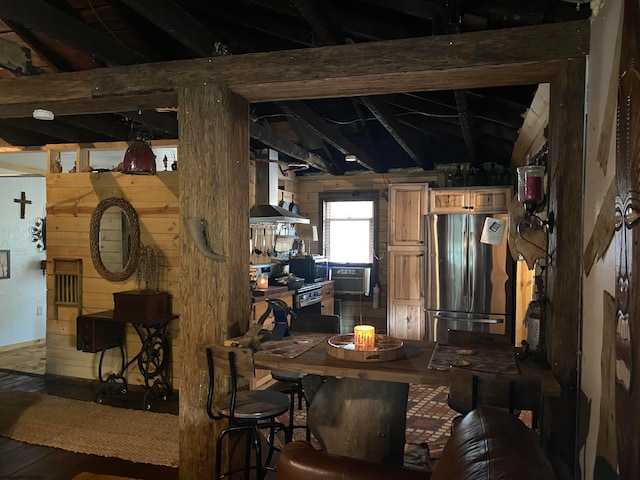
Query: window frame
x,y
351,196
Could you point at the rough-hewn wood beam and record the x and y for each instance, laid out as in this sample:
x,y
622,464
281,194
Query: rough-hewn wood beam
x,y
533,55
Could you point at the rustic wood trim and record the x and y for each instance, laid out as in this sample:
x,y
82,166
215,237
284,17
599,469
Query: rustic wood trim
x,y
469,60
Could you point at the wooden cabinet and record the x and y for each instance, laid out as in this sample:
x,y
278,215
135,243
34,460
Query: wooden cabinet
x,y
326,307
407,205
470,200
405,315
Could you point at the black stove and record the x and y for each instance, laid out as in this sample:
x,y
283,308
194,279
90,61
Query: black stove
x,y
307,295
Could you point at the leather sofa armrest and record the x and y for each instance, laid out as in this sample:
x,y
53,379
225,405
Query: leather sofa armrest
x,y
300,460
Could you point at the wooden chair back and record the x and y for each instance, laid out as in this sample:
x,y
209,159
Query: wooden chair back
x,y
469,389
315,322
242,359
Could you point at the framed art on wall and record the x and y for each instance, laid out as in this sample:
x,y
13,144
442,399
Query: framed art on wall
x,y
4,264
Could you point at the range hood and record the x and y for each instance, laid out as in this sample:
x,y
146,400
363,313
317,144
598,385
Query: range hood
x,y
266,210
274,214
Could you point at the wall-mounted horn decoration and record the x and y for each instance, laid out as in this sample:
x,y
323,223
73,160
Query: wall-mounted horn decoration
x,y
196,229
39,234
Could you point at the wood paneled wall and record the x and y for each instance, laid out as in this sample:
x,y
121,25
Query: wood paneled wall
x,y
307,191
71,199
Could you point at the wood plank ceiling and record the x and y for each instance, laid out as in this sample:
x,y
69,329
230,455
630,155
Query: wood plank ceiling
x,y
421,128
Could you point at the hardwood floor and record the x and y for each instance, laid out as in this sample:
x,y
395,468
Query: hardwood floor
x,y
25,461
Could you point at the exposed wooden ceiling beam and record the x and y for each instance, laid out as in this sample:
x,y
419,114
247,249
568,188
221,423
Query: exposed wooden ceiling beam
x,y
328,132
42,17
393,66
150,118
59,130
386,117
466,124
105,124
291,149
262,20
173,19
324,25
415,8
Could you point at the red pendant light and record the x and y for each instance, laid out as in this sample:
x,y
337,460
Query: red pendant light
x,y
139,159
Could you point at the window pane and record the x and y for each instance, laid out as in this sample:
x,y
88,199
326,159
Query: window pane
x,y
361,209
349,241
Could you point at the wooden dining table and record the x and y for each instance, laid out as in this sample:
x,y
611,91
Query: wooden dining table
x,y
359,408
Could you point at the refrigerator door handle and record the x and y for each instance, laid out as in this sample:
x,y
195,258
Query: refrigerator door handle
x,y
470,320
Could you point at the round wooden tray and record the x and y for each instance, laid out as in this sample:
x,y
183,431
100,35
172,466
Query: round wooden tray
x,y
386,349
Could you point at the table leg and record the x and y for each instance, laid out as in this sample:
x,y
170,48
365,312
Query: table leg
x,y
359,418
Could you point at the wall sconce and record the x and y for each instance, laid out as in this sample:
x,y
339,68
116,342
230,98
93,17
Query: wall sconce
x,y
39,234
531,194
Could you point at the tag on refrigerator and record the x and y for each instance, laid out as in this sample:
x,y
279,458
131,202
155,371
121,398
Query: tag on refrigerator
x,y
493,231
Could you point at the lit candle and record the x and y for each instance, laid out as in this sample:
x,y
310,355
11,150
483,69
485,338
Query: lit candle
x,y
263,281
364,337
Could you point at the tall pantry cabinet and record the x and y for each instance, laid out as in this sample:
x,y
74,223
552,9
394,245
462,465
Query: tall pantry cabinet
x,y
408,203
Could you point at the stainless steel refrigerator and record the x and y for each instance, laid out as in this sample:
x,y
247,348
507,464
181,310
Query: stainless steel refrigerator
x,y
469,284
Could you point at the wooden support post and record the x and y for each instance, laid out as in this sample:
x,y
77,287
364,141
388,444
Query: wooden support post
x,y
564,317
214,186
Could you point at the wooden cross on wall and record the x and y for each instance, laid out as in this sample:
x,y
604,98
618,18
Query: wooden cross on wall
x,y
23,203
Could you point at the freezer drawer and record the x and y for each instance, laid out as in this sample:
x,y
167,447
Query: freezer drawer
x,y
440,323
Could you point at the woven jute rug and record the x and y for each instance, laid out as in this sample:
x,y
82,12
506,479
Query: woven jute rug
x,y
87,427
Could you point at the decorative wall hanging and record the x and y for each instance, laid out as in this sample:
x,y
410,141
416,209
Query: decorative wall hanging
x,y
39,234
23,203
5,271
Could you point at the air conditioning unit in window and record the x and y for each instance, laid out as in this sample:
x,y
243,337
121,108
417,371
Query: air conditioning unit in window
x,y
354,280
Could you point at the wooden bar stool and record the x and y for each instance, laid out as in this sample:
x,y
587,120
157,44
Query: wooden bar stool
x,y
247,410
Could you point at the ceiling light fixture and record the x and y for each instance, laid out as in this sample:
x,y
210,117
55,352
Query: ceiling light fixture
x,y
42,114
350,158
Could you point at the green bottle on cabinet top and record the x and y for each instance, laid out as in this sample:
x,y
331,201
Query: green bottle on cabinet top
x,y
493,175
505,178
470,179
458,179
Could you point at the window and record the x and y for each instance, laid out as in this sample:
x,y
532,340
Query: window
x,y
349,230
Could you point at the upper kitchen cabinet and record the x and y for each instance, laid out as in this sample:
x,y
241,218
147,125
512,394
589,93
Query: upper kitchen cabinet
x,y
470,200
407,204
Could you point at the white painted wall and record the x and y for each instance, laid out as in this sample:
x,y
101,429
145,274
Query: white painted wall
x,y
25,290
603,60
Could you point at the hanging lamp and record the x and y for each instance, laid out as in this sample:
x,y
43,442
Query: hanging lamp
x,y
139,158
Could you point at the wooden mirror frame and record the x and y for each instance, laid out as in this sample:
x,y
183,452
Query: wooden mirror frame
x,y
94,239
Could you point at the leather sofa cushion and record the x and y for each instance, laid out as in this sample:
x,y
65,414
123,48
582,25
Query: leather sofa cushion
x,y
299,460
489,444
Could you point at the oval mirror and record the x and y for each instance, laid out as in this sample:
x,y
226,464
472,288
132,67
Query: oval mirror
x,y
114,237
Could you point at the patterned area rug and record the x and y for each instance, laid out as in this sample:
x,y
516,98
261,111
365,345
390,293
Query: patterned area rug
x,y
428,424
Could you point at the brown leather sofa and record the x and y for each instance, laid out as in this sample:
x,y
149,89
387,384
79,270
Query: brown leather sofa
x,y
487,444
